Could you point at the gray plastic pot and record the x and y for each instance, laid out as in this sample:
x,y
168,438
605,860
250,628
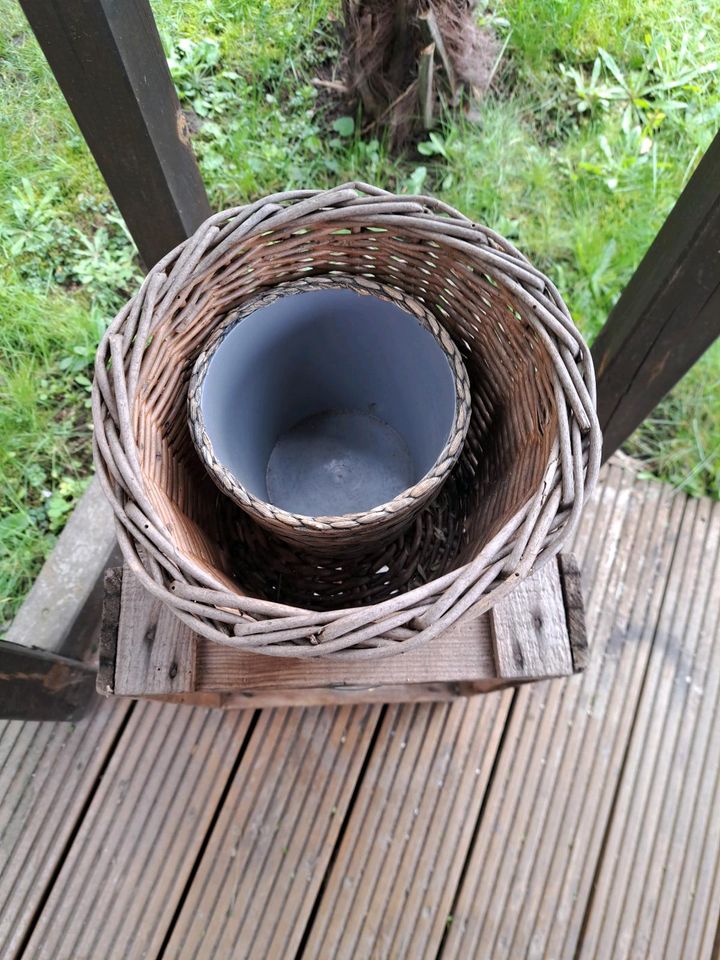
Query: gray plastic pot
x,y
330,409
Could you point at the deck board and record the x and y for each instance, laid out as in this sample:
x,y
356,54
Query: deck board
x,y
48,771
125,873
568,819
390,890
530,873
640,892
267,857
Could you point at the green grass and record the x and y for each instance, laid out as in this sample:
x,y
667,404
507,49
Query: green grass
x,y
603,111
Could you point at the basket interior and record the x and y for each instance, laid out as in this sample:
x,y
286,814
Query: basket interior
x,y
512,429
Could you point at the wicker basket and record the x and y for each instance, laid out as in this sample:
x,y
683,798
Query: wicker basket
x,y
354,533
531,456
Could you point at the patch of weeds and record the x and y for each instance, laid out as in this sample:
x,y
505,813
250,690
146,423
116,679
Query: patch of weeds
x,y
47,246
47,341
271,128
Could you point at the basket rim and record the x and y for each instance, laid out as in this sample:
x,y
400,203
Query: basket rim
x,y
218,610
414,495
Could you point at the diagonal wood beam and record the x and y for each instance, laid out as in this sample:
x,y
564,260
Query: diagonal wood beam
x,y
38,685
668,314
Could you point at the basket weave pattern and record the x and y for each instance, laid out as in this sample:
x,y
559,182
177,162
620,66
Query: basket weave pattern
x,y
530,458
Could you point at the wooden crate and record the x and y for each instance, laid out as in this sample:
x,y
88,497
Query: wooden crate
x,y
536,633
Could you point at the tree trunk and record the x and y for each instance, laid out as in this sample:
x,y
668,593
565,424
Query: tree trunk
x,y
405,56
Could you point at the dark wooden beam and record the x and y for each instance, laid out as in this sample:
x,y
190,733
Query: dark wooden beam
x,y
39,685
668,314
108,60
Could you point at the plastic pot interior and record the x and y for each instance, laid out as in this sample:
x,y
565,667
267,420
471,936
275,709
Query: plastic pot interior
x,y
327,403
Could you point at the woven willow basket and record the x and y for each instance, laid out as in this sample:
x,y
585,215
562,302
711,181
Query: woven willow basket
x,y
353,533
531,455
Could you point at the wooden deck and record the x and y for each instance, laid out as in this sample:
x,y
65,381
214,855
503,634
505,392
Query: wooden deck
x,y
575,818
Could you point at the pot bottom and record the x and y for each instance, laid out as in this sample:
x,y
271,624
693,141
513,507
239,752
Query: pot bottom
x,y
338,462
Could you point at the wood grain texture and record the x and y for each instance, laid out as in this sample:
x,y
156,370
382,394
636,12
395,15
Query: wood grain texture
x,y
654,894
390,889
155,652
464,653
48,771
569,819
530,631
529,876
157,656
40,685
668,314
126,871
266,859
338,696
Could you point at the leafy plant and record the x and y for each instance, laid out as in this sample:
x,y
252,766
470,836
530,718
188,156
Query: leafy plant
x,y
663,86
47,247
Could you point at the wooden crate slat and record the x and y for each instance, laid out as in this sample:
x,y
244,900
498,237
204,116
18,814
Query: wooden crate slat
x,y
155,651
125,873
526,636
541,834
47,773
530,639
639,894
267,856
391,886
464,654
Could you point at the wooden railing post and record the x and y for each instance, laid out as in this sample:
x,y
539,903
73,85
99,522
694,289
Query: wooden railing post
x,y
109,63
668,314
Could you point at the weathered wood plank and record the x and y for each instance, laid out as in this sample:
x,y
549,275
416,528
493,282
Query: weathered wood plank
x,y
390,889
462,654
529,875
530,633
109,63
370,838
48,772
668,314
262,869
126,872
155,652
648,887
39,685
157,656
571,582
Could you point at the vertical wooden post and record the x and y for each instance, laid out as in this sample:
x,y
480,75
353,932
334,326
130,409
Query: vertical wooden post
x,y
108,60
109,63
668,314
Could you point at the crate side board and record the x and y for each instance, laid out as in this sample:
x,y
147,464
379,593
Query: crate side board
x,y
147,652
